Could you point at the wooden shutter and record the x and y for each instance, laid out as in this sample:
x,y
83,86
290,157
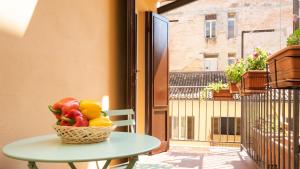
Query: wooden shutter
x,y
156,85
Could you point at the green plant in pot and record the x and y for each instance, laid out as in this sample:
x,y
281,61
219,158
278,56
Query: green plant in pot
x,y
284,65
294,39
234,74
255,77
219,90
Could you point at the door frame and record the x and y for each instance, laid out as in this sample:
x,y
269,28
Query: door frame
x,y
131,54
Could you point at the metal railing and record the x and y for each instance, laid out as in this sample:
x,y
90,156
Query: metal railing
x,y
270,128
204,120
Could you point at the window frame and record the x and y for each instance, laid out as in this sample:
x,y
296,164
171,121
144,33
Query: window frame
x,y
234,27
210,21
210,57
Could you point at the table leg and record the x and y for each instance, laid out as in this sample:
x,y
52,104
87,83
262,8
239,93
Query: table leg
x,y
106,164
132,162
32,165
72,165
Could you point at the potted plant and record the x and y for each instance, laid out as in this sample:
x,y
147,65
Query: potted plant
x,y
255,77
234,75
284,65
220,91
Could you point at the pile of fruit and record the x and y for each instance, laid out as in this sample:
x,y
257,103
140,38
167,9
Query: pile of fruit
x,y
79,113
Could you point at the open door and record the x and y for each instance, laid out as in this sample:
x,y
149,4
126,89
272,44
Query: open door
x,y
157,79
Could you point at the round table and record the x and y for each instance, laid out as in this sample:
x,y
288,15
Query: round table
x,y
48,148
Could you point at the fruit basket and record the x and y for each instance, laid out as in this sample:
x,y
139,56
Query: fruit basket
x,y
83,135
81,121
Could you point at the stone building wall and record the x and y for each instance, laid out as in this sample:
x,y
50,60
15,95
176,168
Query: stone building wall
x,y
187,42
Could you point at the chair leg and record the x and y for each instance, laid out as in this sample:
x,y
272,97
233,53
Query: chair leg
x,y
106,164
132,162
72,165
32,165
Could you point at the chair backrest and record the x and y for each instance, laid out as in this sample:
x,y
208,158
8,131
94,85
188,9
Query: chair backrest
x,y
130,122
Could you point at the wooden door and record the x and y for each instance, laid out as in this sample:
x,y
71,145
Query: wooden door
x,y
156,88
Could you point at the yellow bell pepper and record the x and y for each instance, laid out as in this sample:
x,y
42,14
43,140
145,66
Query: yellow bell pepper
x,y
90,108
101,121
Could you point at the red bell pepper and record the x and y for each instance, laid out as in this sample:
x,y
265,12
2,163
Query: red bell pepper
x,y
70,105
65,104
57,113
74,118
58,105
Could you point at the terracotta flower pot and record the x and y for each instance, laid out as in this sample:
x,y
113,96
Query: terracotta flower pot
x,y
254,80
284,67
233,88
223,94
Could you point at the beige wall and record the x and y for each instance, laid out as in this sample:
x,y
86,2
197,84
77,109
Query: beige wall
x,y
188,45
202,115
70,48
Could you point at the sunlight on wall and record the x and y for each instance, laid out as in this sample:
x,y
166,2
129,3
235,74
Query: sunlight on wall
x,y
15,15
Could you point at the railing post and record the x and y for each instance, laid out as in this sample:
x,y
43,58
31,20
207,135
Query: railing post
x,y
296,127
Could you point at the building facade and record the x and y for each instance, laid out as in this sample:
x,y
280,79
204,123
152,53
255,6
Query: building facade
x,y
207,35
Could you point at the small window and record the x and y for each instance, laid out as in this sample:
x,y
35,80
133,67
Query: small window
x,y
231,58
231,25
226,125
210,26
210,62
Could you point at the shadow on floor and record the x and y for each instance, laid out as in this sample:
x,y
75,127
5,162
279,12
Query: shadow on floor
x,y
179,157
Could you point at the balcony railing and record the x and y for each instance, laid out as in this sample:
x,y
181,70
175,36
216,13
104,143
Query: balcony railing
x,y
208,120
270,128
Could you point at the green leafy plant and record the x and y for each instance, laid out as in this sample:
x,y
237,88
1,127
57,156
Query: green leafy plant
x,y
257,61
235,71
294,39
215,87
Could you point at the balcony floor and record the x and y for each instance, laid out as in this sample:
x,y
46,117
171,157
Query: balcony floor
x,y
187,157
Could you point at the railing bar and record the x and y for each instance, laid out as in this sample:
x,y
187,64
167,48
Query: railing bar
x,y
267,128
213,121
205,118
249,119
227,119
178,120
192,120
235,121
241,124
289,129
274,126
185,119
172,121
199,117
271,133
255,127
283,118
279,140
296,128
220,121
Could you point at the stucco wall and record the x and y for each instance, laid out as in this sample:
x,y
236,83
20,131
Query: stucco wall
x,y
70,48
187,43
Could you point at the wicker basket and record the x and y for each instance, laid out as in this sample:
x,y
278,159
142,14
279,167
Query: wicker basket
x,y
82,135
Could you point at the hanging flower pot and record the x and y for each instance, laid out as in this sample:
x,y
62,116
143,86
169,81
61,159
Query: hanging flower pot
x,y
233,89
284,67
254,80
222,94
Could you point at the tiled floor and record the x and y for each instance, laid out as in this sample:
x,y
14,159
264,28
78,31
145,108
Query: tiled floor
x,y
183,157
